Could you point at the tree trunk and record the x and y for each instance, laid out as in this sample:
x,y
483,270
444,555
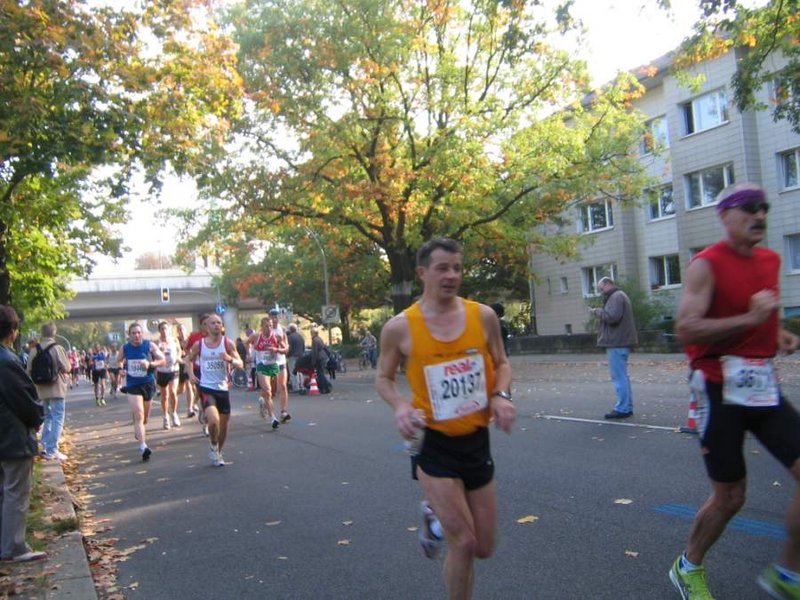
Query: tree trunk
x,y
401,295
401,262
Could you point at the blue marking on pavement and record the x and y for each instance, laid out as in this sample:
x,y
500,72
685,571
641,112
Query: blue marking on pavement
x,y
755,527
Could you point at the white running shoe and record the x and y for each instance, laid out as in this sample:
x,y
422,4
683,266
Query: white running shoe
x,y
430,534
166,422
262,407
176,420
214,455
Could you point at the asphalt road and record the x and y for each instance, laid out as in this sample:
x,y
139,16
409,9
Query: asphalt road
x,y
324,507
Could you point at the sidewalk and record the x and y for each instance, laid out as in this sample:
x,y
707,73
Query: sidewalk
x,y
65,573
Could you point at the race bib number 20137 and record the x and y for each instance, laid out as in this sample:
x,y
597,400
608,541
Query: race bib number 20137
x,y
457,387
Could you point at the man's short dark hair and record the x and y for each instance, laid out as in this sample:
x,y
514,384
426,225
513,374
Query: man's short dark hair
x,y
9,321
446,244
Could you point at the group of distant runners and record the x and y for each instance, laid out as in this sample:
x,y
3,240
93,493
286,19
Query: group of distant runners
x,y
198,365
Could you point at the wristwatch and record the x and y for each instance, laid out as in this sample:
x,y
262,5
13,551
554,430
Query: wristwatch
x,y
503,394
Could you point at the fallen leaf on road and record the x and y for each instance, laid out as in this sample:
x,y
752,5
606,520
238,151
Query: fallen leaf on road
x,y
631,553
347,523
776,483
623,501
273,523
528,519
343,543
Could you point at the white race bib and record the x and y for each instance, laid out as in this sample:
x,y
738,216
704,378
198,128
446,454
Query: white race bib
x,y
749,381
137,368
457,387
214,365
99,364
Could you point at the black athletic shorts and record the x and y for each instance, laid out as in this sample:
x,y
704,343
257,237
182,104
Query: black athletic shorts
x,y
145,390
98,374
465,457
722,430
164,377
219,398
182,374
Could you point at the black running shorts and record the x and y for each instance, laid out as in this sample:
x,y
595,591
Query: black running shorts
x,y
98,374
219,398
722,430
163,378
465,457
145,390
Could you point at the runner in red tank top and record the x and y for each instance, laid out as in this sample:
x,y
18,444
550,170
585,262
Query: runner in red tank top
x,y
728,319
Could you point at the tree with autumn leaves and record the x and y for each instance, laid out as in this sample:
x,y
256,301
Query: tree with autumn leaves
x,y
393,122
766,36
89,96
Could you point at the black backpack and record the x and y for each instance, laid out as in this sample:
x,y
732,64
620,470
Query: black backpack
x,y
44,368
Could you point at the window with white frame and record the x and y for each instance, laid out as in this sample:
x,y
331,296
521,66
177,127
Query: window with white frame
x,y
564,285
664,271
705,112
793,253
660,203
591,275
656,136
790,167
781,92
595,216
702,187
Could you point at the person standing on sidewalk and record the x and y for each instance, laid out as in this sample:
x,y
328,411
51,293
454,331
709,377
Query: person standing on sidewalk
x,y
52,394
617,335
319,358
728,319
459,377
217,354
21,415
297,346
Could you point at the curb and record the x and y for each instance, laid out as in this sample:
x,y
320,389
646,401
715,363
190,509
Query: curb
x,y
73,578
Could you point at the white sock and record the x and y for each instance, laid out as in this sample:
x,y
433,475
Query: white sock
x,y
686,564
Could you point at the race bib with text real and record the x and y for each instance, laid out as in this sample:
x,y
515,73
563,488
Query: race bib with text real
x,y
457,387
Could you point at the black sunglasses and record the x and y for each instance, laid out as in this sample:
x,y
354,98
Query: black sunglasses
x,y
752,208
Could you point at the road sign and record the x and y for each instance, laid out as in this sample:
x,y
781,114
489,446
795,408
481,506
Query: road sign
x,y
220,309
330,314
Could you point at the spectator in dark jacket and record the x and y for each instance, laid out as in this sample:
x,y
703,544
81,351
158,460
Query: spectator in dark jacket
x,y
319,356
21,414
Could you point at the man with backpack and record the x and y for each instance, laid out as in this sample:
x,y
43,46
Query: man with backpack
x,y
49,368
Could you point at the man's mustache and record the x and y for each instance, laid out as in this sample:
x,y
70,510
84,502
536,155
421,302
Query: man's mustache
x,y
758,227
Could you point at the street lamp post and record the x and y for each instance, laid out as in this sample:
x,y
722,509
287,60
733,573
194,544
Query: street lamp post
x,y
315,237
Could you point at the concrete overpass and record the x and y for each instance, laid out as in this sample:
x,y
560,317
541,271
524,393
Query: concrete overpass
x,y
137,295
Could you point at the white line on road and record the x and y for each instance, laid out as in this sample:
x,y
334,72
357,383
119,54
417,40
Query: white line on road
x,y
605,422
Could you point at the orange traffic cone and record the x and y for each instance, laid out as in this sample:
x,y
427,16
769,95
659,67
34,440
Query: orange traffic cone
x,y
313,390
691,420
696,387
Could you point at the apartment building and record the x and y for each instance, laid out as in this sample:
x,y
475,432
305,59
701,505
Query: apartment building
x,y
698,143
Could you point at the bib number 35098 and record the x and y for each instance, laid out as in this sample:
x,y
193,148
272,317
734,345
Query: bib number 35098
x,y
749,381
457,388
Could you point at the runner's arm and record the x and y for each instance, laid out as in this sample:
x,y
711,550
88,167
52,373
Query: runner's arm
x,y
692,325
504,411
392,335
231,355
156,356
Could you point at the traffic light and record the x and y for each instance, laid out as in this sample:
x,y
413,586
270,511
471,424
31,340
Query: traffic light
x,y
164,295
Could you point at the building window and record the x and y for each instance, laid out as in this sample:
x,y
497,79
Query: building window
x,y
781,93
595,216
564,285
702,187
656,136
705,112
660,203
790,162
793,253
664,270
591,275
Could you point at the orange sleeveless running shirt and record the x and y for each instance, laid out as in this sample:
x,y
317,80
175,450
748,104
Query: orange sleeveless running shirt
x,y
460,378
